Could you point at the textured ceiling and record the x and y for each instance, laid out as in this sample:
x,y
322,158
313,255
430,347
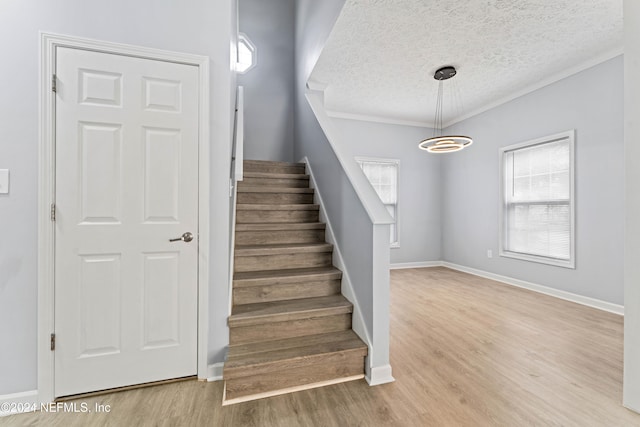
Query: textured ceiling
x,y
380,58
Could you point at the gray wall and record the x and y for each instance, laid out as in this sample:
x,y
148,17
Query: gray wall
x,y
351,224
591,102
632,192
419,194
363,244
203,27
269,87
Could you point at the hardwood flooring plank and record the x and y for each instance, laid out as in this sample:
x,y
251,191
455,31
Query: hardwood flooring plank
x,y
465,351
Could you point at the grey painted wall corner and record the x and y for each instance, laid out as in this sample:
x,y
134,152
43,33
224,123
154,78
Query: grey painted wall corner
x,y
269,87
591,105
419,192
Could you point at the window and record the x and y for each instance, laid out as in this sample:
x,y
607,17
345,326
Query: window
x,y
537,213
383,176
246,54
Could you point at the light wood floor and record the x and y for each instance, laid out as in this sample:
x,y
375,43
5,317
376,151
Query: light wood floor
x,y
465,351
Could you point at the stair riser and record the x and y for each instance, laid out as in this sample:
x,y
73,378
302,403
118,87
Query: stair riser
x,y
238,351
257,294
272,168
273,217
280,280
335,357
274,198
293,328
339,366
279,237
282,261
277,182
239,282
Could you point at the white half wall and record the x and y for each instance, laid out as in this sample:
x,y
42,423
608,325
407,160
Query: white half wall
x,y
358,218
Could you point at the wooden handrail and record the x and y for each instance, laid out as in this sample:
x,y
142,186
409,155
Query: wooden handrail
x,y
238,138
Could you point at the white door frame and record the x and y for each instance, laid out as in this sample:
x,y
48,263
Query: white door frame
x,y
46,193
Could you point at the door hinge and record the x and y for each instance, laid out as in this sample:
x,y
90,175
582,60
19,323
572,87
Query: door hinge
x,y
53,212
53,342
54,83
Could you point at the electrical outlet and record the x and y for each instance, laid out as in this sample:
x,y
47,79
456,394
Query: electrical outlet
x,y
489,253
4,181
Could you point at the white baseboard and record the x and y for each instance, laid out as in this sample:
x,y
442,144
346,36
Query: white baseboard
x,y
422,264
631,407
214,372
17,403
379,375
568,296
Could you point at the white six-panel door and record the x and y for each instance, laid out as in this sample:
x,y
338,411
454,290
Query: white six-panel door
x,y
126,183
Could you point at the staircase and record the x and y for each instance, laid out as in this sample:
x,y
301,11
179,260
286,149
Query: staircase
x,y
290,328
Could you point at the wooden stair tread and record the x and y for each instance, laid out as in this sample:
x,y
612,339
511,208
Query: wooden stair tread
x,y
270,226
296,351
272,162
273,175
276,207
285,248
280,311
274,189
256,278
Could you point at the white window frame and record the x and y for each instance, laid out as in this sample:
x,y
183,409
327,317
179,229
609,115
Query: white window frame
x,y
502,226
245,40
396,162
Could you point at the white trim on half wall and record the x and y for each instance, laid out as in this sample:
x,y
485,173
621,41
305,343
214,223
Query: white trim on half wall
x,y
214,372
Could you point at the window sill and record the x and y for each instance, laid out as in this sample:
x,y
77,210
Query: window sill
x,y
539,259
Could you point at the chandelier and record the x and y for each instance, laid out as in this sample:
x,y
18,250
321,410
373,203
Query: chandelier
x,y
439,143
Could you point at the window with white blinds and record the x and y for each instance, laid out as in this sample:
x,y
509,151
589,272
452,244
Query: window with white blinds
x,y
537,203
383,176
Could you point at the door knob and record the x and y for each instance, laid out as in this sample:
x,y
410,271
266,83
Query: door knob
x,y
186,237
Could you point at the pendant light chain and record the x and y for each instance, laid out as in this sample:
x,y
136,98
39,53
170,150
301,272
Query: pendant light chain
x,y
437,120
457,98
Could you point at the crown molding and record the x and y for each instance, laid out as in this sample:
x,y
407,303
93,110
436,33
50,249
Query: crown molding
x,y
377,119
539,85
486,107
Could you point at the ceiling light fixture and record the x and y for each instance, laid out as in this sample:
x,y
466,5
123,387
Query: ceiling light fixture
x,y
443,143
